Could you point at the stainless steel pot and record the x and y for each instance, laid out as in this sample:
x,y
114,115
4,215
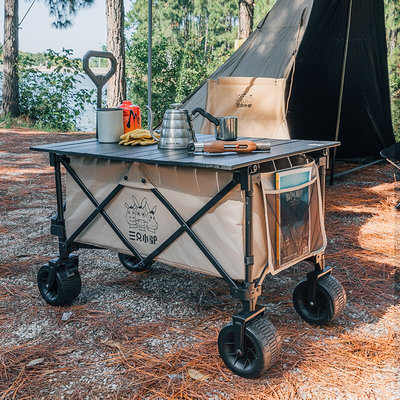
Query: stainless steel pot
x,y
226,128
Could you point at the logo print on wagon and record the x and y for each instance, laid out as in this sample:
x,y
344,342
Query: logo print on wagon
x,y
243,100
141,220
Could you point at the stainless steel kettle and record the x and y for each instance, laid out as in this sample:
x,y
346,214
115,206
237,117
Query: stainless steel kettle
x,y
176,129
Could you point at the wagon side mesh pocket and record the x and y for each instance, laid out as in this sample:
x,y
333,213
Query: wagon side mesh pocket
x,y
294,215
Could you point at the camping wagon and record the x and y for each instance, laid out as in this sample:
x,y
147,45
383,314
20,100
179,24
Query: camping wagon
x,y
237,216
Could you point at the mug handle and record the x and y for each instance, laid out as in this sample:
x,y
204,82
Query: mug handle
x,y
207,115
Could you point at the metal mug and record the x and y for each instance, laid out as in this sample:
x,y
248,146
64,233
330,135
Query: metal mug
x,y
226,128
109,125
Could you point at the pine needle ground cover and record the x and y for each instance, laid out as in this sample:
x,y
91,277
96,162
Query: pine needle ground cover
x,y
153,334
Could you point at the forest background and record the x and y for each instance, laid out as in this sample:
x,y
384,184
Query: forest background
x,y
191,39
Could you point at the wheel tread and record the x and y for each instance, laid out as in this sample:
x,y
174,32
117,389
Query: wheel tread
x,y
334,287
261,333
72,287
266,332
130,263
331,289
68,286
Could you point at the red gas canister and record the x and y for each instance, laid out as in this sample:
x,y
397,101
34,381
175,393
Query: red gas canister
x,y
131,114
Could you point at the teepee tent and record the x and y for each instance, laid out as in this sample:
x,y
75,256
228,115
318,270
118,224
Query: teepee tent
x,y
295,59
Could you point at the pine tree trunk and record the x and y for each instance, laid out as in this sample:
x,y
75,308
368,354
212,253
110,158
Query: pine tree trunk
x,y
246,14
116,88
10,101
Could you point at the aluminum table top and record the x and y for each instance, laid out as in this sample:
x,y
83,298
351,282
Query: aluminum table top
x,y
153,155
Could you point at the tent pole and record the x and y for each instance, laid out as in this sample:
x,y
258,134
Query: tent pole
x,y
149,66
339,114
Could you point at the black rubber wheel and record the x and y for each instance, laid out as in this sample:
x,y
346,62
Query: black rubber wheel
x,y
329,303
131,263
65,287
261,348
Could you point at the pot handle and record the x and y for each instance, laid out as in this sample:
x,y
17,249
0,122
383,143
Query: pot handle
x,y
206,115
150,124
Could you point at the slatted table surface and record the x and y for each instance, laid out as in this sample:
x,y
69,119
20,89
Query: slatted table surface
x,y
153,155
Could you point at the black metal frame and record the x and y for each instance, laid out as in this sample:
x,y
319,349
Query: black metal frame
x,y
247,291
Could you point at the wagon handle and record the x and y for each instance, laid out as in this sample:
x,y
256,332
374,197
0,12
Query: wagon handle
x,y
99,80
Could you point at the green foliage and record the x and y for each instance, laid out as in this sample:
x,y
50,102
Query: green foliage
x,y
394,72
261,8
62,11
36,58
191,39
165,75
396,118
6,121
97,62
392,19
52,99
394,79
192,69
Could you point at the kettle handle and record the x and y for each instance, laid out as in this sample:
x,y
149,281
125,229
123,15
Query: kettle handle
x,y
150,124
207,115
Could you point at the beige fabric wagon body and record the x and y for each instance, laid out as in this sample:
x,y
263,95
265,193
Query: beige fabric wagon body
x,y
146,222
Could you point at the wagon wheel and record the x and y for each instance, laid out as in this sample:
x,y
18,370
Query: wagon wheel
x,y
330,300
131,263
62,289
261,348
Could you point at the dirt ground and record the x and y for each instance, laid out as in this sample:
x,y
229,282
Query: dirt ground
x,y
153,335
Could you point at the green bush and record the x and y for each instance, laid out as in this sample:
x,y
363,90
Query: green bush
x,y
165,71
190,40
175,73
51,99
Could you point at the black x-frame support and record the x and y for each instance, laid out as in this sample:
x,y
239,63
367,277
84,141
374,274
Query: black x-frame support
x,y
246,291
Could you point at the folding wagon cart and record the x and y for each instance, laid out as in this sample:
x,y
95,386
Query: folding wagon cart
x,y
237,216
